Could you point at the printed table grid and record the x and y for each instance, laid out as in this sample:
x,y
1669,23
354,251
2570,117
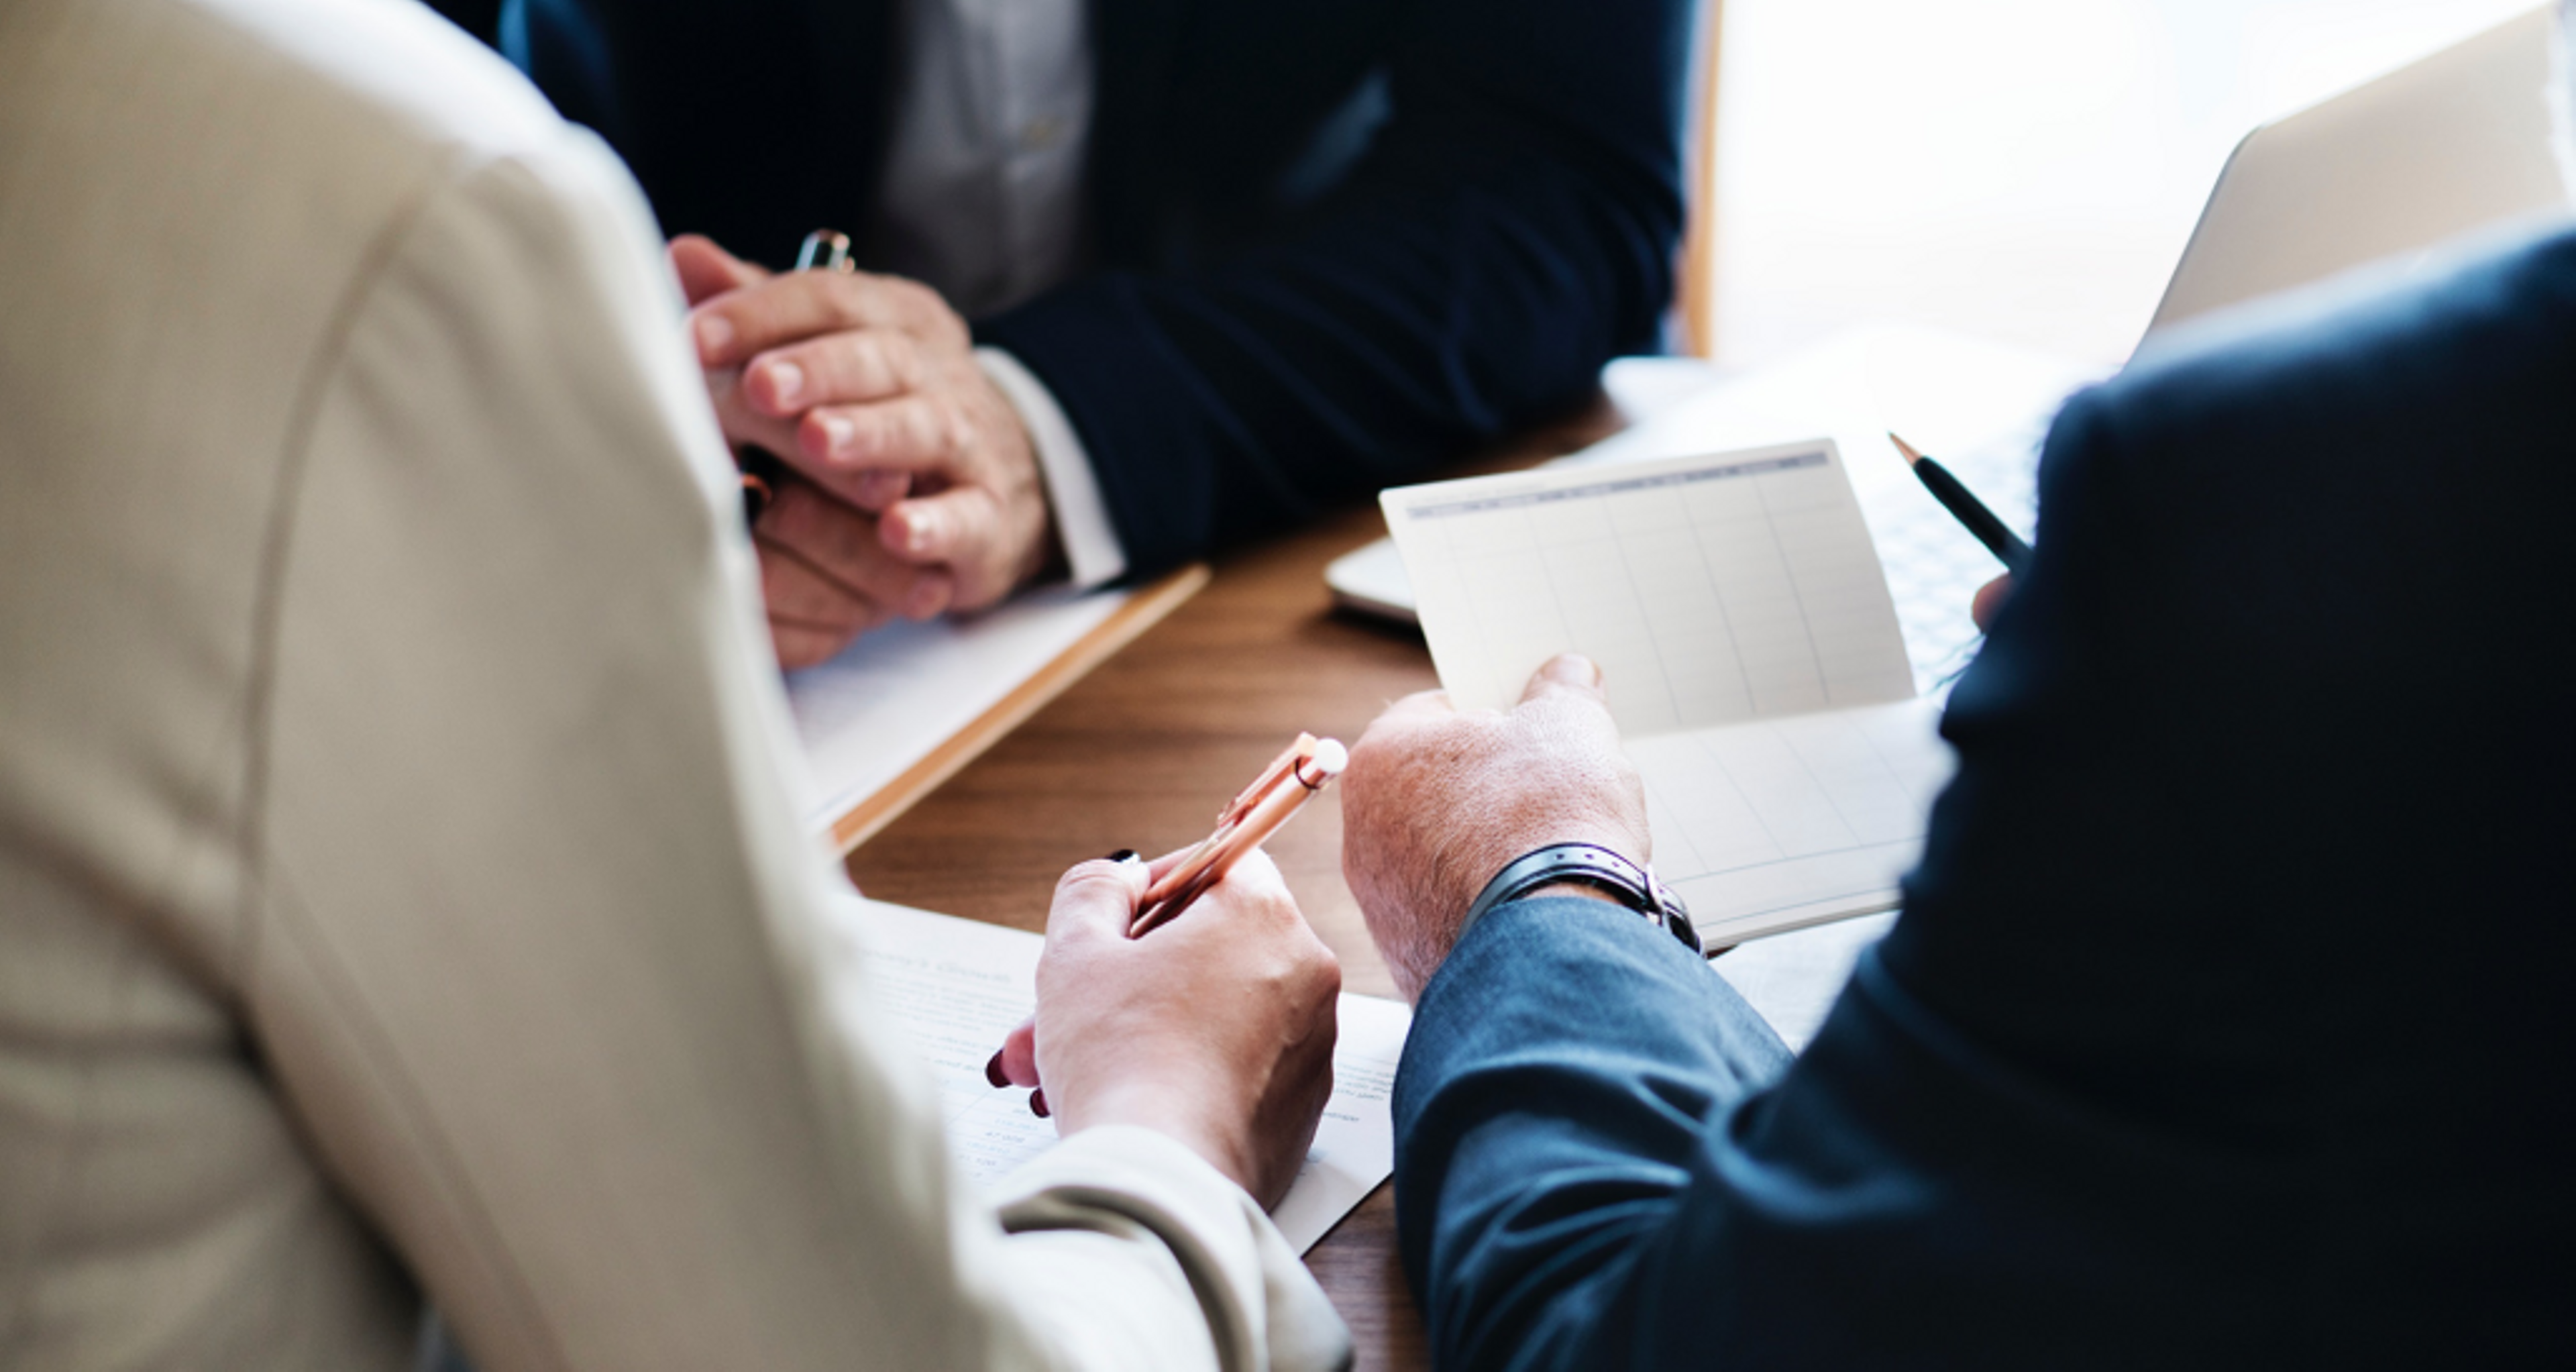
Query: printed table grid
x,y
1761,573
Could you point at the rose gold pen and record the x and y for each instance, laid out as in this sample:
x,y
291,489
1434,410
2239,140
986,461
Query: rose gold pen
x,y
1273,798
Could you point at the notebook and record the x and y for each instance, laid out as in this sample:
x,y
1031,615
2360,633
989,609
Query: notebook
x,y
1750,650
1981,407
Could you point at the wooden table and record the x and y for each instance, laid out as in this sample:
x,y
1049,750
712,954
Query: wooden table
x,y
1140,754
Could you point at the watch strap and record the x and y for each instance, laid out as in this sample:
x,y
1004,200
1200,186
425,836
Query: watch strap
x,y
1592,865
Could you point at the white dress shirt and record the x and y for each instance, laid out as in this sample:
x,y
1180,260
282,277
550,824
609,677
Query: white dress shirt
x,y
2562,93
982,200
982,195
400,889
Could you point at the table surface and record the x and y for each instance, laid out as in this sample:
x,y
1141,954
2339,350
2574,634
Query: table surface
x,y
1139,755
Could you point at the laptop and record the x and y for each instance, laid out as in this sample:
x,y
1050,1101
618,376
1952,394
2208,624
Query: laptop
x,y
2395,176
2456,144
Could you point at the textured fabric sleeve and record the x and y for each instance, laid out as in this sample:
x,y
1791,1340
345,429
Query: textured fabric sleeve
x,y
1510,231
1564,1070
542,959
1145,1189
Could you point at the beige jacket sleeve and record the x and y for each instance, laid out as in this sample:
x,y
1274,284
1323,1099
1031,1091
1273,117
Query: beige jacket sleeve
x,y
538,953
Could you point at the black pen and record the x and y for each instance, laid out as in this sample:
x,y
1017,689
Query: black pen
x,y
1972,512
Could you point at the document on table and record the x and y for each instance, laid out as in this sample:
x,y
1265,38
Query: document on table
x,y
1749,648
1792,980
956,987
872,712
908,704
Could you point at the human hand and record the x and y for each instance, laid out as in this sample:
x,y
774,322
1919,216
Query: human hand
x,y
1216,1030
921,491
1437,800
1989,601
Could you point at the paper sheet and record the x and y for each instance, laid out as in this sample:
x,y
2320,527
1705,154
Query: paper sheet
x,y
1710,589
1779,823
1793,980
1750,648
957,987
1982,408
868,715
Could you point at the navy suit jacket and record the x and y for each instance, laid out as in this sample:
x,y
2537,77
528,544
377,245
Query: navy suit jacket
x,y
2230,1018
1338,240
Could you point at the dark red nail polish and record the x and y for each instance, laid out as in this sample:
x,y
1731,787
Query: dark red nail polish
x,y
1037,1103
993,1071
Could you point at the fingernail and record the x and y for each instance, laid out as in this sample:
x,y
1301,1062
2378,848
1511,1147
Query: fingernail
x,y
714,333
993,1071
1575,669
919,532
1122,855
1037,1103
786,382
837,432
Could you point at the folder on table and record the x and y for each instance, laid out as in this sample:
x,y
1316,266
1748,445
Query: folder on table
x,y
906,706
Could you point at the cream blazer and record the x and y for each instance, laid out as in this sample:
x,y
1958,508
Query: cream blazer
x,y
400,894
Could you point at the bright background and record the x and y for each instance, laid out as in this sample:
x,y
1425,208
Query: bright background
x,y
2024,170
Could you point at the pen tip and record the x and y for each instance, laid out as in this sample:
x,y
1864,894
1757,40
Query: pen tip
x,y
1911,456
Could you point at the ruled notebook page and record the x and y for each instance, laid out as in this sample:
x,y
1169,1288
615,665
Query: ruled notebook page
x,y
1750,651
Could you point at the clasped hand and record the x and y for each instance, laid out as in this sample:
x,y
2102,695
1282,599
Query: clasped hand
x,y
916,492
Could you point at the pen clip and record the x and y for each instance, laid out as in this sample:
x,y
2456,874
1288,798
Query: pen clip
x,y
825,250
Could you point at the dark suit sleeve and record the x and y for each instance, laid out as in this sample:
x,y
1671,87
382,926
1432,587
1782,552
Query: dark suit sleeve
x,y
1552,1112
1511,230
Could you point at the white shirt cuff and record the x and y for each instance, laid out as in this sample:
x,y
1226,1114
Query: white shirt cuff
x,y
1091,546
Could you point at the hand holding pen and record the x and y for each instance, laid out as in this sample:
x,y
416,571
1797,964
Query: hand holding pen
x,y
1175,882
762,471
1217,1032
1273,798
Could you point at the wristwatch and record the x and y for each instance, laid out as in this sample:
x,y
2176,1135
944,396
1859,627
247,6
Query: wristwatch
x,y
1594,866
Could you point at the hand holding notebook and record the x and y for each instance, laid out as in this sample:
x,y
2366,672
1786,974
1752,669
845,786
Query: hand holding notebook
x,y
1439,800
1751,653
